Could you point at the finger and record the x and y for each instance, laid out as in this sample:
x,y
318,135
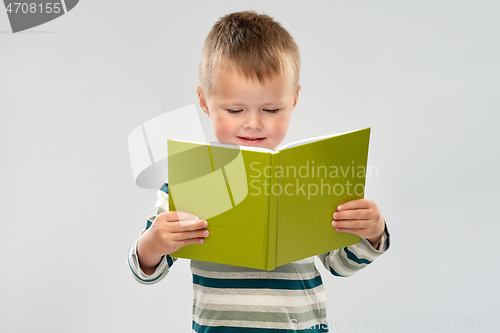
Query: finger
x,y
191,225
359,232
349,224
187,223
192,241
177,227
355,204
357,214
187,235
174,216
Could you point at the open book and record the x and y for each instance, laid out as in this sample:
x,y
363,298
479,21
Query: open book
x,y
267,208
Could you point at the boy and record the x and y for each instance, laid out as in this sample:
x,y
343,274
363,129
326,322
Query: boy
x,y
249,76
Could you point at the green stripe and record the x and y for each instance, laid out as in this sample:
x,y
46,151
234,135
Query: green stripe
x,y
224,329
355,258
170,261
257,283
164,188
257,316
347,264
335,273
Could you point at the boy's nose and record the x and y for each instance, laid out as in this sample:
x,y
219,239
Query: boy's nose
x,y
253,121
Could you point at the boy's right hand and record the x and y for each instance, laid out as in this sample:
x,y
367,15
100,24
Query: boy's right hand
x,y
169,232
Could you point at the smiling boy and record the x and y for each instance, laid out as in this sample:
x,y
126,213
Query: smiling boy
x,y
247,112
249,76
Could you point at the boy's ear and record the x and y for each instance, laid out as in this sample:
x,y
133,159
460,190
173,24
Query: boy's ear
x,y
296,96
201,100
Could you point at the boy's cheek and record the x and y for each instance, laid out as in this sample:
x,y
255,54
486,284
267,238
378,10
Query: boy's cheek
x,y
223,130
280,128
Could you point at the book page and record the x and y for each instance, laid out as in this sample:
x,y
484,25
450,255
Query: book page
x,y
250,148
234,146
227,188
314,179
304,141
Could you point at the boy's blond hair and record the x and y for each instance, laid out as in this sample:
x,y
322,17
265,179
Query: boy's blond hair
x,y
253,44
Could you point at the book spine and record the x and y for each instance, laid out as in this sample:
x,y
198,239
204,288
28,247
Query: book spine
x,y
273,213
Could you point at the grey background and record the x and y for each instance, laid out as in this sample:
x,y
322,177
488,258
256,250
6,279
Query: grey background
x,y
423,74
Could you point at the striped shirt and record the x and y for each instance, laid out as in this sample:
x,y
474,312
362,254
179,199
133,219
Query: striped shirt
x,y
290,298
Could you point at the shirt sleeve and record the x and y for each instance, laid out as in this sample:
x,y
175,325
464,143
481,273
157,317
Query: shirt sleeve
x,y
166,262
350,259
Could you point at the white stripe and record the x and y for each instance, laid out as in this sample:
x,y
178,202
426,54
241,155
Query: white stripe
x,y
162,203
314,296
238,323
256,275
161,271
257,308
334,262
361,252
252,324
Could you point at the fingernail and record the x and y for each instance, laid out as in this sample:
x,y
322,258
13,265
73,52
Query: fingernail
x,y
205,224
334,215
339,207
334,224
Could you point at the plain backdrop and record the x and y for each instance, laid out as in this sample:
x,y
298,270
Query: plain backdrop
x,y
423,74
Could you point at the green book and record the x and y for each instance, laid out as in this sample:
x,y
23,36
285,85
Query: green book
x,y
267,208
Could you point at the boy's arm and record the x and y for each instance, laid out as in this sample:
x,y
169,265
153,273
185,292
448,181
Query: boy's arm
x,y
165,232
348,260
361,217
162,269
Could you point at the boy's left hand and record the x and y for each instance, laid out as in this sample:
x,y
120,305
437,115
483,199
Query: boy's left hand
x,y
361,217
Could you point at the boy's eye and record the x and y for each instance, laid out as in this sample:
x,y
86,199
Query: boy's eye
x,y
235,111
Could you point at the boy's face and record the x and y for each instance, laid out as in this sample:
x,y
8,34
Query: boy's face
x,y
249,113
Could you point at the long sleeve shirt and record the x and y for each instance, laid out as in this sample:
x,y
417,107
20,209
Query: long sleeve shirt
x,y
290,298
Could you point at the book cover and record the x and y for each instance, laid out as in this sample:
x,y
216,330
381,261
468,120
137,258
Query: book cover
x,y
267,208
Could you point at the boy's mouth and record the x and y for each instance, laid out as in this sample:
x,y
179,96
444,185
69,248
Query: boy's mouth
x,y
251,140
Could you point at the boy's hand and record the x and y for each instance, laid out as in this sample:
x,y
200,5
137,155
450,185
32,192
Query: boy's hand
x,y
361,217
169,232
